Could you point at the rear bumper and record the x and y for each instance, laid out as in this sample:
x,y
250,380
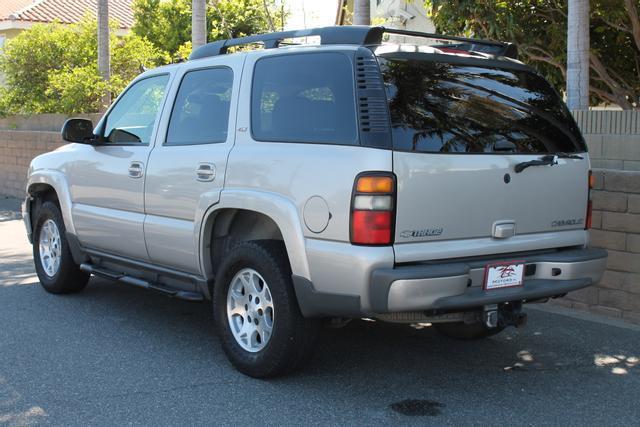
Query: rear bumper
x,y
457,285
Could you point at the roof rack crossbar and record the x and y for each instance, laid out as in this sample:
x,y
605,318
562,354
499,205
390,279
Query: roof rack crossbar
x,y
353,34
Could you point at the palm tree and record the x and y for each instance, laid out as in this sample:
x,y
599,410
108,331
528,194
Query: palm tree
x,y
578,55
198,23
361,12
103,47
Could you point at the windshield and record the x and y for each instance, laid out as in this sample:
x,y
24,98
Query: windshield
x,y
456,108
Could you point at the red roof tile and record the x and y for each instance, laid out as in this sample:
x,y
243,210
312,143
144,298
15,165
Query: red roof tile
x,y
7,7
65,11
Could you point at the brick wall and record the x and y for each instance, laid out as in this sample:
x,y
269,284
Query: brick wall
x,y
616,227
17,149
613,138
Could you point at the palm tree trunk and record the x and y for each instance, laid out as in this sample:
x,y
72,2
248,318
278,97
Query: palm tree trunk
x,y
578,55
104,66
361,12
198,23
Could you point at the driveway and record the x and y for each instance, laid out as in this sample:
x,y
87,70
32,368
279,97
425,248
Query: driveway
x,y
116,355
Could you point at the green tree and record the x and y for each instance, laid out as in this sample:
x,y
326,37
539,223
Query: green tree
x,y
167,24
539,27
52,68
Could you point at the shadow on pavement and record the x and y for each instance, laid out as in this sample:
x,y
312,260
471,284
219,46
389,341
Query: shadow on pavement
x,y
9,209
16,269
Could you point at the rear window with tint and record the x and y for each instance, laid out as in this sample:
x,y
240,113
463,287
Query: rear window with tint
x,y
452,108
304,98
201,110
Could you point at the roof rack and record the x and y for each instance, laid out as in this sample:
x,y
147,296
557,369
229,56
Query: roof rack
x,y
356,35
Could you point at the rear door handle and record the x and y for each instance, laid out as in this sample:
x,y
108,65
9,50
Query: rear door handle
x,y
206,172
136,169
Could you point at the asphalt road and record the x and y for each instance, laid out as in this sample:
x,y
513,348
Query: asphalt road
x,y
115,355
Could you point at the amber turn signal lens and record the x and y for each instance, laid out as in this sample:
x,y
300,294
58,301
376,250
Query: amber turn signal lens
x,y
375,184
592,181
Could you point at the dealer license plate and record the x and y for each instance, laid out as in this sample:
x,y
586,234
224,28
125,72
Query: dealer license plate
x,y
504,275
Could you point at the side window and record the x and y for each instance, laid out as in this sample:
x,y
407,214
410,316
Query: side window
x,y
304,98
132,119
201,110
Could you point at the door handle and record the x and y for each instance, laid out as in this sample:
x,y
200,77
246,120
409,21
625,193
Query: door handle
x,y
206,172
136,169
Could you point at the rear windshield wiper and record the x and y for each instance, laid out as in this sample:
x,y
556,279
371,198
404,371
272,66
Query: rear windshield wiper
x,y
562,155
548,160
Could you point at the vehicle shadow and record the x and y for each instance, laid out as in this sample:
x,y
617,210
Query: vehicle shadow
x,y
16,268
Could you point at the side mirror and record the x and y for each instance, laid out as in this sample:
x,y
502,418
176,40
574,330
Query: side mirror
x,y
78,130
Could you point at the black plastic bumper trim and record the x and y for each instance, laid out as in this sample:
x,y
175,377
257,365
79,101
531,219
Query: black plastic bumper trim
x,y
320,304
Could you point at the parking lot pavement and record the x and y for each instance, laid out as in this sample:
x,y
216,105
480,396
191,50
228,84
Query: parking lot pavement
x,y
115,355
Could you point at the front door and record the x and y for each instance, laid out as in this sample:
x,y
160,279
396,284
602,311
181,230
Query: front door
x,y
107,180
186,171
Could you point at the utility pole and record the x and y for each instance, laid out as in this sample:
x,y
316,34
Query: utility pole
x,y
361,12
104,61
198,23
578,55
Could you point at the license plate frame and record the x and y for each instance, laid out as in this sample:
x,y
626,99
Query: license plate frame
x,y
494,281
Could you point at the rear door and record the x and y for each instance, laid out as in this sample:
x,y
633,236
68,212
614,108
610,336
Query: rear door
x,y
459,130
187,167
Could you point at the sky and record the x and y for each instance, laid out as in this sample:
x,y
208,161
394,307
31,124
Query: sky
x,y
310,13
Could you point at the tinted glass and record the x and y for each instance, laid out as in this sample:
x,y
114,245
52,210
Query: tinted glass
x,y
132,119
201,111
304,98
451,108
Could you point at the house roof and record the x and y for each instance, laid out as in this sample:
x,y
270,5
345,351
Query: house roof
x,y
65,11
7,7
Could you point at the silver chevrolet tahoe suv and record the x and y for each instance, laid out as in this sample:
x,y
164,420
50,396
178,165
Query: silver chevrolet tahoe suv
x,y
369,172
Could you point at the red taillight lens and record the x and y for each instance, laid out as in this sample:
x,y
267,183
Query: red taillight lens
x,y
372,209
587,223
591,184
371,227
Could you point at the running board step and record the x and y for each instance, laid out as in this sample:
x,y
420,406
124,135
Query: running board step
x,y
134,281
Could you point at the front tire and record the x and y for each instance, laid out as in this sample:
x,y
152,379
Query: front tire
x,y
256,313
466,331
57,272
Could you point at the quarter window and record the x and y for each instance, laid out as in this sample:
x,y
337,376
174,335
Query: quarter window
x,y
304,98
132,119
201,111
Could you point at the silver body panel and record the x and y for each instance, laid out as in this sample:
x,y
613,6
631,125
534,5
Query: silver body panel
x,y
427,251
465,194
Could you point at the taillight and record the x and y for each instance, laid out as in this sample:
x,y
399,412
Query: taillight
x,y
373,209
587,222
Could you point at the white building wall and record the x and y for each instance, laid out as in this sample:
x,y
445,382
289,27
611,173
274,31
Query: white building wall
x,y
402,14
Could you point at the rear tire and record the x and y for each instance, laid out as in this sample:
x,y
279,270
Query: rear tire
x,y
467,331
57,271
256,313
